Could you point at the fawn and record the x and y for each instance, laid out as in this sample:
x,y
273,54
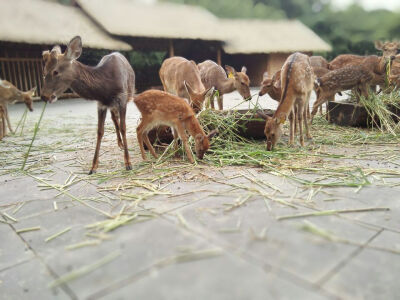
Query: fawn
x,y
161,108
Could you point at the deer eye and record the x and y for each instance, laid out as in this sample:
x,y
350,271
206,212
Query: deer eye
x,y
55,73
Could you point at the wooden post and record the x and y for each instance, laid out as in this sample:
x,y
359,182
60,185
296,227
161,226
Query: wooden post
x,y
219,62
171,49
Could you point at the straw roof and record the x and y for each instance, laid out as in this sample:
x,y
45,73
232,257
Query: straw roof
x,y
161,20
270,36
44,22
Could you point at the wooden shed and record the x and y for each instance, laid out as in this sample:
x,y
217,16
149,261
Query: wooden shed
x,y
30,26
263,45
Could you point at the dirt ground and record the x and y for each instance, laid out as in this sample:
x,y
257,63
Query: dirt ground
x,y
320,222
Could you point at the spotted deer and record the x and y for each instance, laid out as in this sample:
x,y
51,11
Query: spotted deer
x,y
181,77
340,80
161,108
9,94
297,80
213,75
319,62
111,83
271,86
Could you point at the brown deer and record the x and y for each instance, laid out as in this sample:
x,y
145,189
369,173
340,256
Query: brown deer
x,y
318,61
161,108
213,75
181,77
297,81
111,83
389,50
9,94
340,80
271,86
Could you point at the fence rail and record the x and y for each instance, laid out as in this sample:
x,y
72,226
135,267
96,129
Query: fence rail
x,y
24,73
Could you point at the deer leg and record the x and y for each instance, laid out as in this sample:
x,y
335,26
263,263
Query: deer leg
x,y
306,116
115,118
122,120
148,144
212,99
139,133
220,100
8,118
300,110
101,117
175,141
184,139
292,127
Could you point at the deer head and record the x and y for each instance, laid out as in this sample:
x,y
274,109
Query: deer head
x,y
196,100
58,69
266,86
27,98
202,143
389,49
241,81
272,130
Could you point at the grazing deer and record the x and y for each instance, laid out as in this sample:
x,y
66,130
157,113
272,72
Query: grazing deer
x,y
9,94
340,80
213,75
297,81
181,77
111,83
161,108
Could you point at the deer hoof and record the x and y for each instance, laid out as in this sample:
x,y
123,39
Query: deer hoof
x,y
92,172
128,167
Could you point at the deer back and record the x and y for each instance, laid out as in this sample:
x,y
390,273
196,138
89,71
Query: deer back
x,y
318,61
212,75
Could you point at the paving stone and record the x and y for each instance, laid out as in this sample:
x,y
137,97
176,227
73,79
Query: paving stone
x,y
370,275
12,249
28,281
214,278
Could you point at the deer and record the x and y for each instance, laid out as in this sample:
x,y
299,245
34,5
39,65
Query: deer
x,y
9,94
297,79
181,77
213,75
346,78
318,61
271,86
162,108
111,83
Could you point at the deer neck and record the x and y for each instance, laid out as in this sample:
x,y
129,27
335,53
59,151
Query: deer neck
x,y
227,86
193,126
275,93
89,82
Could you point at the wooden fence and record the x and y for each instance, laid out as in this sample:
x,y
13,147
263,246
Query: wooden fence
x,y
24,73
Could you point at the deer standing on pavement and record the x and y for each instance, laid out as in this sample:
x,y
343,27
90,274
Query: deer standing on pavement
x,y
341,80
181,77
213,75
297,79
9,94
161,108
111,83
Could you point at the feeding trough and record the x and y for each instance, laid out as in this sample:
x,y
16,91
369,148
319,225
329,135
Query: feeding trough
x,y
249,125
355,115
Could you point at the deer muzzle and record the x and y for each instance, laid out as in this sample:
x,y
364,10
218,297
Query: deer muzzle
x,y
50,99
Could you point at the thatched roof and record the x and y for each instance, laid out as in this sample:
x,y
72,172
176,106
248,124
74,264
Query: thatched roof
x,y
44,22
270,36
161,20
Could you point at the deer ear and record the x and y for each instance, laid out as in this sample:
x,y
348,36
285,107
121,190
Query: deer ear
x,y
188,87
74,48
208,93
56,49
231,71
265,75
244,70
378,45
212,134
46,55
